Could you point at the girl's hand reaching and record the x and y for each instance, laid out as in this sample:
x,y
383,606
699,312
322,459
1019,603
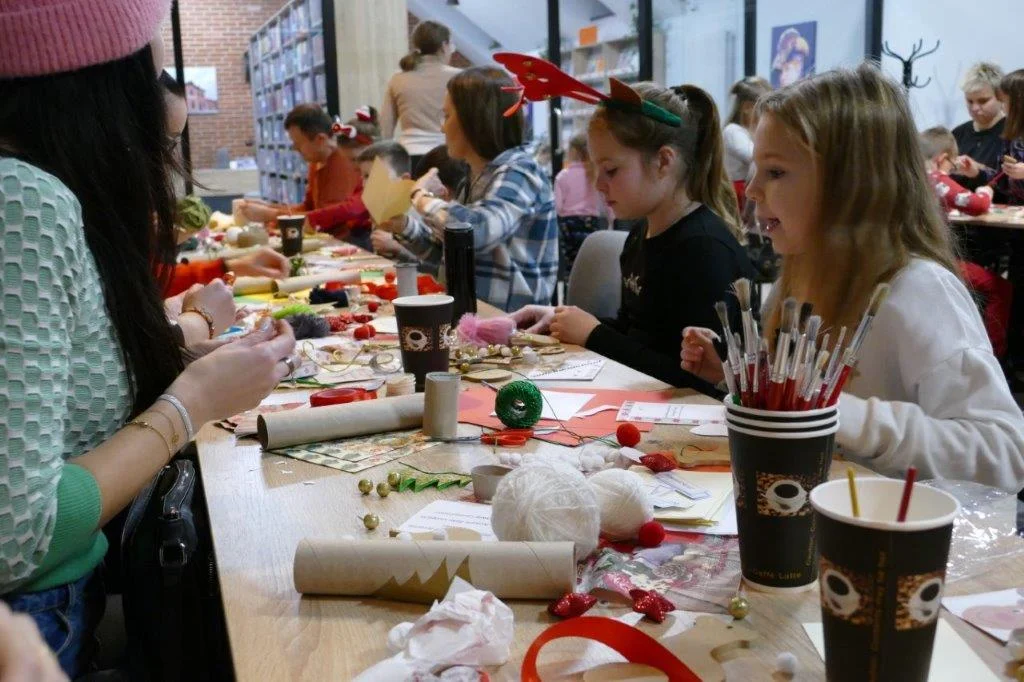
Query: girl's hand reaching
x,y
699,356
534,319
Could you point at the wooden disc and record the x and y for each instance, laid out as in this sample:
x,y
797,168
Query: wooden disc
x,y
551,350
488,375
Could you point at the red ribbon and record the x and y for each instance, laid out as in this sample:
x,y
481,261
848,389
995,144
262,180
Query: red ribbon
x,y
633,644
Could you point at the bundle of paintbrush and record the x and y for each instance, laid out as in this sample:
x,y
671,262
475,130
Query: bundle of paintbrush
x,y
802,374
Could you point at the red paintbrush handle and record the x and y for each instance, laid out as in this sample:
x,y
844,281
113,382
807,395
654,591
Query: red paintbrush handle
x,y
774,399
789,395
844,374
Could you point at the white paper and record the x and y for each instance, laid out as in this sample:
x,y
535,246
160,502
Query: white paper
x,y
713,429
997,613
584,370
725,522
443,514
670,413
385,325
952,659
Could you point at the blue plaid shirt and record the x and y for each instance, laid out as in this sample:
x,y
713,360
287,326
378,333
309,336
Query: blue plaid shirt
x,y
511,208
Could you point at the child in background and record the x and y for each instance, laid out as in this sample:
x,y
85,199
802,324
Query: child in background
x,y
940,153
739,129
452,173
333,176
927,391
683,255
578,204
1008,175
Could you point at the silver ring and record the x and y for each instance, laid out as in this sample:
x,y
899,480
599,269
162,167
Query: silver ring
x,y
289,362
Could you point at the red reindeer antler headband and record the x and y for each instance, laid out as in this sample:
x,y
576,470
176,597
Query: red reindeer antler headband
x,y
538,79
349,132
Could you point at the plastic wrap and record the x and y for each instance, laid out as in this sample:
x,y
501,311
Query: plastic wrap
x,y
986,530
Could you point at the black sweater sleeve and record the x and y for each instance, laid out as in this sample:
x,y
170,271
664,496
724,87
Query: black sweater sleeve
x,y
684,296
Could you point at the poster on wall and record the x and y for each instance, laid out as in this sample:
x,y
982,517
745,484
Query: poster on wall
x,y
794,49
201,89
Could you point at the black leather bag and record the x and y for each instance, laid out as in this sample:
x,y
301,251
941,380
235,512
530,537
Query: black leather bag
x,y
172,605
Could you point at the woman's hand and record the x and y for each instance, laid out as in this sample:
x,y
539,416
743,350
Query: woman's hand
x,y
216,300
699,356
24,656
263,262
236,376
429,182
258,212
572,325
967,166
534,319
1014,170
394,225
383,242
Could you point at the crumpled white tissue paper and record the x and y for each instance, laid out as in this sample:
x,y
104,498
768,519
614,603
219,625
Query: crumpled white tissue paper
x,y
466,630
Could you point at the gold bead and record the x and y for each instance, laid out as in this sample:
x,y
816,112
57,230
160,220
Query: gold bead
x,y
517,351
371,521
491,349
1019,674
365,486
394,479
739,607
383,489
458,353
464,368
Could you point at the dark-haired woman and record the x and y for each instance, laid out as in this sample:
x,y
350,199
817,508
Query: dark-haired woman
x,y
507,198
92,392
415,95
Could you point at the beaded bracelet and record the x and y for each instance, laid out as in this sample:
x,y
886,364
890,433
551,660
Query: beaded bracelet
x,y
202,312
182,412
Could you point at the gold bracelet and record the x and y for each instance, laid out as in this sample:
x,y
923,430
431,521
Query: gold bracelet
x,y
175,438
146,425
202,312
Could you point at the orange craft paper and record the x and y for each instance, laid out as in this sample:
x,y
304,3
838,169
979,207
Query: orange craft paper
x,y
477,403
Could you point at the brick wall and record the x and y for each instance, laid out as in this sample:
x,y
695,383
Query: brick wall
x,y
216,33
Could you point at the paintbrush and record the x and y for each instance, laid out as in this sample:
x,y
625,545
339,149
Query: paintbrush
x,y
834,360
742,289
812,383
776,387
850,358
735,357
798,368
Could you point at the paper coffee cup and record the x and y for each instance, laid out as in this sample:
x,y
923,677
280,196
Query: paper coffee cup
x,y
424,323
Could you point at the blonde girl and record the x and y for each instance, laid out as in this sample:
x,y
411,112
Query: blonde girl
x,y
842,192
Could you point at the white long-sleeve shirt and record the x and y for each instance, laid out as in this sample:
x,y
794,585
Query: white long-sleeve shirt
x,y
739,151
928,391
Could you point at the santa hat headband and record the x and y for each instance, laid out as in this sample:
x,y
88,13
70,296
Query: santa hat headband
x,y
538,79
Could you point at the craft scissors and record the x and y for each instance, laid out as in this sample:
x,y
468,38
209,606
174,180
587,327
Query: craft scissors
x,y
507,438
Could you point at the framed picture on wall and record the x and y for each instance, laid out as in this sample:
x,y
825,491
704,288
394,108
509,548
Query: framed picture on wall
x,y
794,48
201,89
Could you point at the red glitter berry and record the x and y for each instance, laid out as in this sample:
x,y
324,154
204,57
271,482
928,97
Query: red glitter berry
x,y
362,318
372,306
650,534
389,277
337,323
628,435
365,332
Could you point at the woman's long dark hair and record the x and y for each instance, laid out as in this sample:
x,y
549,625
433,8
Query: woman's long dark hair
x,y
102,131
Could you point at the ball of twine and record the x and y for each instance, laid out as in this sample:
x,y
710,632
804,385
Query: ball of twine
x,y
519,404
546,501
622,502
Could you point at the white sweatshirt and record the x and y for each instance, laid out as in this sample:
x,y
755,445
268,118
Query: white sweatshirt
x,y
928,391
739,151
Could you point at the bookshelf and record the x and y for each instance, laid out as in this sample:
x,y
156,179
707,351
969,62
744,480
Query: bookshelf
x,y
291,61
595,64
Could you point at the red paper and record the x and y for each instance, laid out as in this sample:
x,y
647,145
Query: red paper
x,y
477,403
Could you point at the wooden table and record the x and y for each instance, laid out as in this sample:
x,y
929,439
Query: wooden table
x,y
1005,217
260,506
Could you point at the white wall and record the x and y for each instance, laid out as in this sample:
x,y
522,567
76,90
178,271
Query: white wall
x,y
985,32
704,47
840,33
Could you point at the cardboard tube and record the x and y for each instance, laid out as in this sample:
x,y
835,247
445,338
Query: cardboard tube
x,y
293,284
294,427
421,571
441,410
252,285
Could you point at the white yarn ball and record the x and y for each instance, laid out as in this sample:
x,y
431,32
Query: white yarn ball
x,y
622,501
515,459
546,500
786,663
591,462
231,235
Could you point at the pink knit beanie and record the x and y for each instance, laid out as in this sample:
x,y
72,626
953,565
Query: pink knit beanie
x,y
39,37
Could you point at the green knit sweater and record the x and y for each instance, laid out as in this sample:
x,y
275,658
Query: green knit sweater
x,y
63,384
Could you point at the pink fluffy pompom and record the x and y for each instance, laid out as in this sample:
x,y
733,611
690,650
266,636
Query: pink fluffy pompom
x,y
497,330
